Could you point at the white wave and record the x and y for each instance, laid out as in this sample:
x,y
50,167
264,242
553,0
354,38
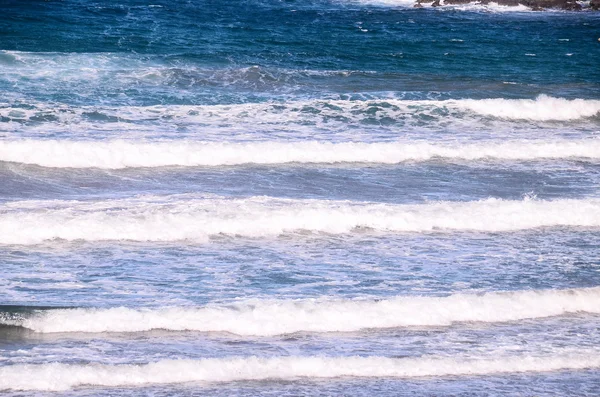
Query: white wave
x,y
542,108
176,218
273,317
385,3
330,120
489,7
473,6
317,111
58,376
123,154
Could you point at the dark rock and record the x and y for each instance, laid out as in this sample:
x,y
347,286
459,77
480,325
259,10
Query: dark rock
x,y
538,5
510,2
457,1
595,4
542,4
572,5
436,3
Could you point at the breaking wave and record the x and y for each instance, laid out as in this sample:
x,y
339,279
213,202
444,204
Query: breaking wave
x,y
123,154
543,108
274,317
181,217
58,376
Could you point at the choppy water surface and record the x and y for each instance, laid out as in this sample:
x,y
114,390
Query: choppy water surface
x,y
304,197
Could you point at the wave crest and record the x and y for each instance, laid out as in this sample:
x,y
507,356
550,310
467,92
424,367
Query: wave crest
x,y
58,376
271,317
542,108
176,218
124,154
315,112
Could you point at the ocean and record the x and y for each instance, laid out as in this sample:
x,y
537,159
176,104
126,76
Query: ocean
x,y
298,197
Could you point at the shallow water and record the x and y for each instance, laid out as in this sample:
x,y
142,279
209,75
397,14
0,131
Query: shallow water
x,y
282,198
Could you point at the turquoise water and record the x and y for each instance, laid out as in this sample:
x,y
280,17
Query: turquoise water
x,y
298,198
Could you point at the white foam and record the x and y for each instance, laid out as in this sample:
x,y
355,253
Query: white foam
x,y
176,218
58,376
385,3
123,154
489,7
473,6
320,112
542,108
276,317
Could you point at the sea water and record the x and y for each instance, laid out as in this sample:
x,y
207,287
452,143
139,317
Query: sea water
x,y
301,197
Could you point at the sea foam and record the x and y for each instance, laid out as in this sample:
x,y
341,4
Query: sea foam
x,y
542,108
176,218
318,112
123,154
276,317
58,376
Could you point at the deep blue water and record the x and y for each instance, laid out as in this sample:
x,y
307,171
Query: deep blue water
x,y
298,198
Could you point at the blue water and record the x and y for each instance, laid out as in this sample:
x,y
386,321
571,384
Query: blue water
x,y
312,197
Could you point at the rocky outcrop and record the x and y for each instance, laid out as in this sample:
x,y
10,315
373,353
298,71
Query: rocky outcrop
x,y
544,4
453,2
595,4
572,5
